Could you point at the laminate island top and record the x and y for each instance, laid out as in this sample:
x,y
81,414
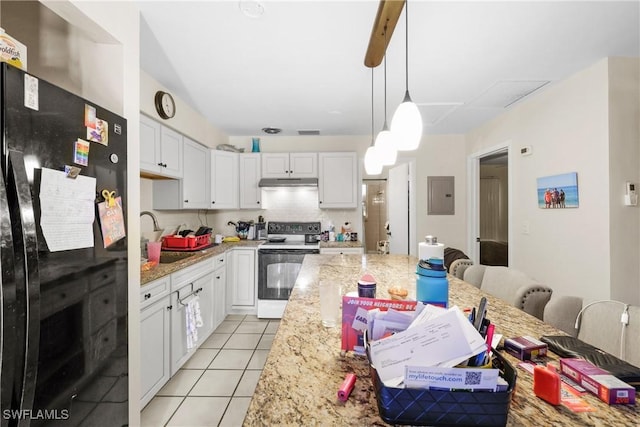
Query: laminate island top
x,y
305,368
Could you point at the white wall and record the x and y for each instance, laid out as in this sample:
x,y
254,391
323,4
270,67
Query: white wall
x,y
187,121
567,126
624,164
442,155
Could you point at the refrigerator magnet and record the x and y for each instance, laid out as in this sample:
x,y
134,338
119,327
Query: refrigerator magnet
x,y
31,92
72,171
111,219
89,116
101,132
81,152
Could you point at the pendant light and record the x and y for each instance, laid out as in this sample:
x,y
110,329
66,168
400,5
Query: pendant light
x,y
372,163
385,141
406,124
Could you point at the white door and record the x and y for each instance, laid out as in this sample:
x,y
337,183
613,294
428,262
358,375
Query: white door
x,y
398,202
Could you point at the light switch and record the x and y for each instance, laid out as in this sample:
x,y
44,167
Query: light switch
x,y
525,227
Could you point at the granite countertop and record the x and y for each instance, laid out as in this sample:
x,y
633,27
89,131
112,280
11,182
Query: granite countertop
x,y
349,244
305,368
162,270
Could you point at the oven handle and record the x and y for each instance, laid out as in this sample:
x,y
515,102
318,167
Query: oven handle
x,y
288,251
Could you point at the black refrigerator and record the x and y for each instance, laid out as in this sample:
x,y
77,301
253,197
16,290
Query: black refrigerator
x,y
63,257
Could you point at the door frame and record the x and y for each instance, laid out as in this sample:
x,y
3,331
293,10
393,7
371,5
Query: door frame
x,y
473,197
411,163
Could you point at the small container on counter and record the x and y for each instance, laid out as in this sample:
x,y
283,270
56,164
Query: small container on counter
x,y
367,286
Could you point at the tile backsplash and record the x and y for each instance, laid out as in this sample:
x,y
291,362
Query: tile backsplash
x,y
282,204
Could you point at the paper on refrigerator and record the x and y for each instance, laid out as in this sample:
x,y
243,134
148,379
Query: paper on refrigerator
x,y
441,341
67,210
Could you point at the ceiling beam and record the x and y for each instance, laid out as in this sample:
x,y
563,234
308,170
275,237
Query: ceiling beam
x,y
388,13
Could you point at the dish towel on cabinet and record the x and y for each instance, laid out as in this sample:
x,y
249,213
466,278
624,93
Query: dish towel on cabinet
x,y
193,319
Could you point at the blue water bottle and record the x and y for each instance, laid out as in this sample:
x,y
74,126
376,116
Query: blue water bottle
x,y
432,286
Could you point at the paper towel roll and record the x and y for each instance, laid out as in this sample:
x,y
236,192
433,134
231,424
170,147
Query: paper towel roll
x,y
427,251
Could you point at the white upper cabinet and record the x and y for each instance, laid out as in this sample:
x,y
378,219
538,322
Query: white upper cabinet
x,y
338,180
190,192
224,180
161,149
289,165
250,193
196,176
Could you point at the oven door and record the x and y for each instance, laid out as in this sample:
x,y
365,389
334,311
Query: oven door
x,y
278,270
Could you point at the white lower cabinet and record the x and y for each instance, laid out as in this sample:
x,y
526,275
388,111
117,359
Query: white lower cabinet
x,y
241,286
155,335
163,332
203,289
219,292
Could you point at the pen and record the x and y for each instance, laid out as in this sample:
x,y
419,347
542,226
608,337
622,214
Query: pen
x,y
490,330
472,316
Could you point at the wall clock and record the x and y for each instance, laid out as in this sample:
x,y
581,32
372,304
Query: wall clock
x,y
165,105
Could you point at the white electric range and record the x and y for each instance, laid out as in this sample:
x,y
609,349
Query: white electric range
x,y
279,262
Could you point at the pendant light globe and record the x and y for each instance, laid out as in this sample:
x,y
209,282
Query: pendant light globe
x,y
406,125
385,146
372,163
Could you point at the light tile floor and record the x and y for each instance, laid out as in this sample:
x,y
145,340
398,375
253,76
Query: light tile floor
x,y
214,387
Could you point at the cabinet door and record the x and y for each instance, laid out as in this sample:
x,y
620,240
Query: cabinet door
x,y
149,145
171,152
338,180
303,165
224,180
207,309
154,348
243,280
275,165
196,179
250,193
219,287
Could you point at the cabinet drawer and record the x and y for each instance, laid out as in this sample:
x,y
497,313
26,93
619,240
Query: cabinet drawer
x,y
153,291
59,297
191,273
102,277
102,306
220,261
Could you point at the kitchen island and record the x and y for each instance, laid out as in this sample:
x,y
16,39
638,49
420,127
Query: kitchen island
x,y
305,367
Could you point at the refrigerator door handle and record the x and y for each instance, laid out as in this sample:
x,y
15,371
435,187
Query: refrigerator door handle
x,y
8,298
27,279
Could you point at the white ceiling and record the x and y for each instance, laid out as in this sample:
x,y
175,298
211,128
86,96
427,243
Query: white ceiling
x,y
300,66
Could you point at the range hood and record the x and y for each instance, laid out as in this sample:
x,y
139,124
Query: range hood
x,y
288,182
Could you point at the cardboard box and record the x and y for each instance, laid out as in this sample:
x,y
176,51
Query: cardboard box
x,y
12,51
608,388
525,348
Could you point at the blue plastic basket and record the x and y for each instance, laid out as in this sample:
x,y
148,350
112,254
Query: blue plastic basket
x,y
441,408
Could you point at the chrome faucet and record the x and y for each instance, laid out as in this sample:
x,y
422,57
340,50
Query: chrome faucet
x,y
153,217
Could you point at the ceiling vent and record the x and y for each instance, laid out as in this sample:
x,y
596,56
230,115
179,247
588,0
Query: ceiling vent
x,y
271,131
505,93
307,132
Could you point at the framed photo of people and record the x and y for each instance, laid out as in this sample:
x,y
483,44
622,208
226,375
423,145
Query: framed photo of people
x,y
558,191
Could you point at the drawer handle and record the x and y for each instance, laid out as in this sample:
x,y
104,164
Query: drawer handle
x,y
170,307
105,339
213,202
217,277
186,201
105,301
63,295
147,296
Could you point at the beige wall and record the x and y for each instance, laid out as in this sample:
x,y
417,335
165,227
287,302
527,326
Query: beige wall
x,y
567,126
624,164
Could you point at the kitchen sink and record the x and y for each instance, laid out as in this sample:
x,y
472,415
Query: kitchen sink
x,y
170,257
